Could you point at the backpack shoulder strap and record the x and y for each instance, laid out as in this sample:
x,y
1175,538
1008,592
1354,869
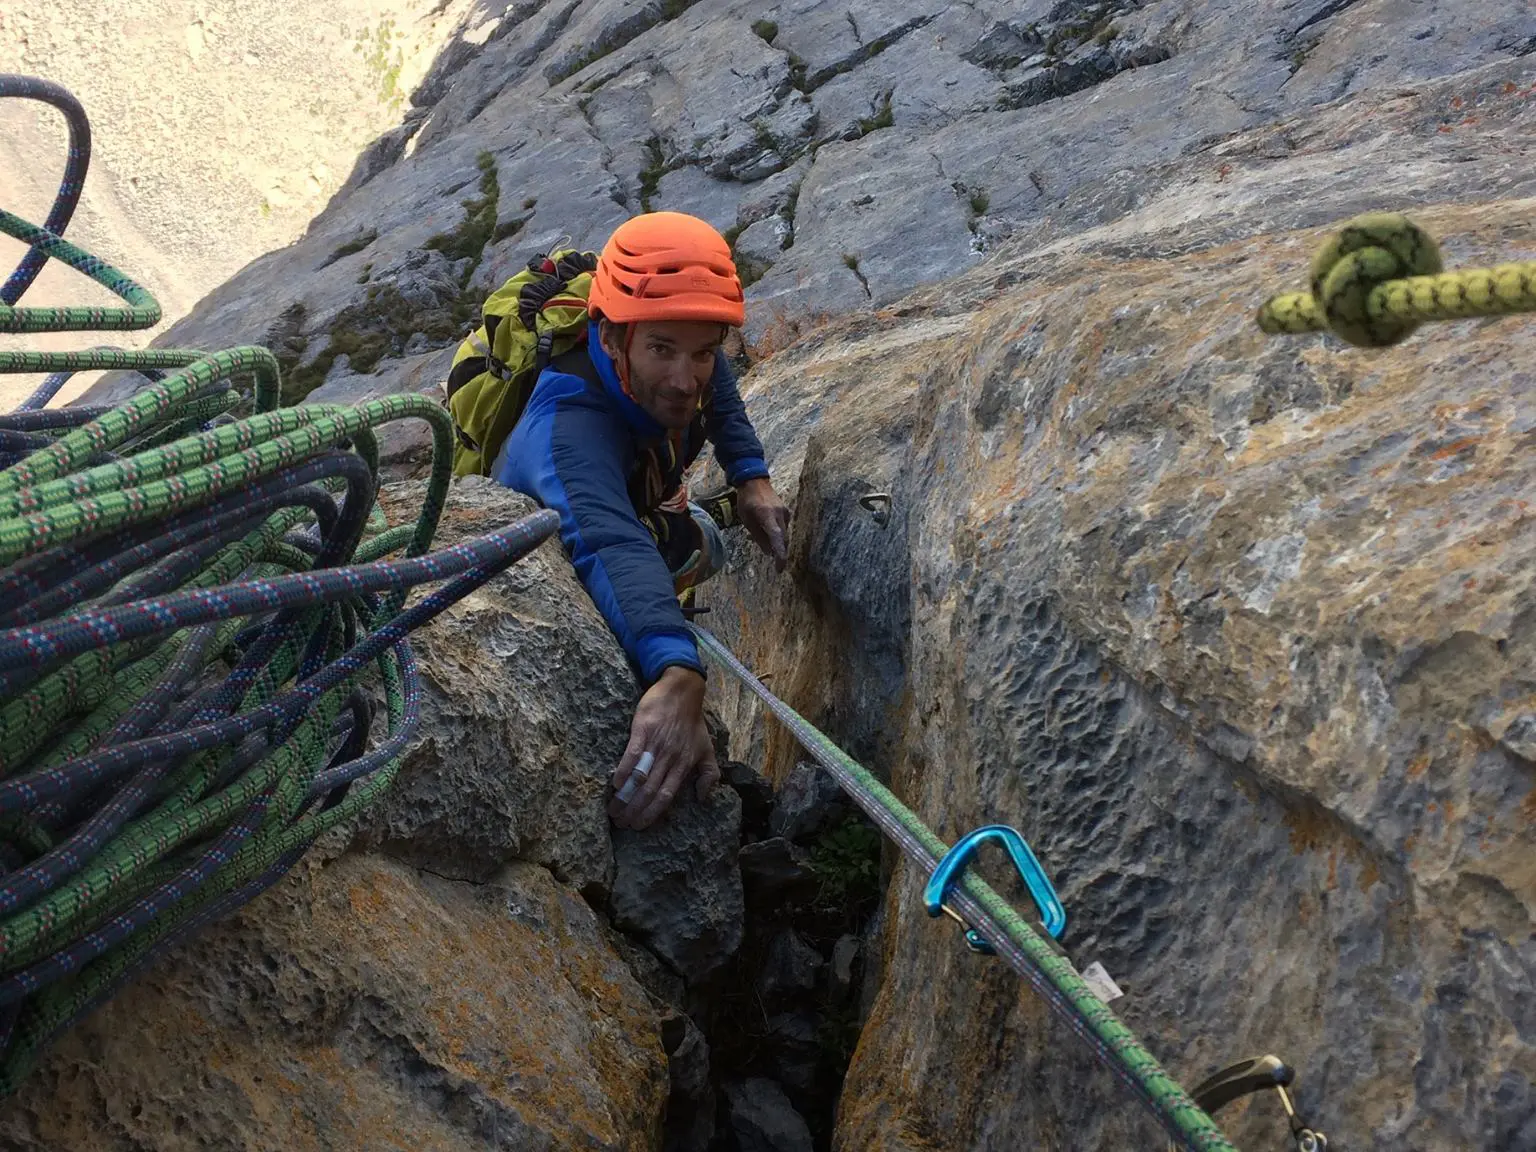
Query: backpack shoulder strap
x,y
576,362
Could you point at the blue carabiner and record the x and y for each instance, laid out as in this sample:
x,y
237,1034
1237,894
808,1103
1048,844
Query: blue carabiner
x,y
936,894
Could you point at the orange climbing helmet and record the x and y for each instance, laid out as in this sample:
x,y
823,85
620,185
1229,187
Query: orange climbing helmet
x,y
667,266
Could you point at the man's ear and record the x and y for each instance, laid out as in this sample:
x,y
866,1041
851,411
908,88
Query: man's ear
x,y
611,336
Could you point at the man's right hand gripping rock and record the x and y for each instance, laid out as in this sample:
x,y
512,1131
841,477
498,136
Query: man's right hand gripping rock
x,y
669,725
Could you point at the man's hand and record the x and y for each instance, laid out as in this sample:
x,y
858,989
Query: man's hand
x,y
669,724
766,518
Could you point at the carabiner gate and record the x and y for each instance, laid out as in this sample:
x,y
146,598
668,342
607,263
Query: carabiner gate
x,y
936,894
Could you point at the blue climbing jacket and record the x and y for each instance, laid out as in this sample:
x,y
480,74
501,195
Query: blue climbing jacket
x,y
586,450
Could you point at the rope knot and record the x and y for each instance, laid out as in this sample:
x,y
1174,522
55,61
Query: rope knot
x,y
1368,252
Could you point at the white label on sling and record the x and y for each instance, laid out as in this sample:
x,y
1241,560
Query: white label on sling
x,y
1101,983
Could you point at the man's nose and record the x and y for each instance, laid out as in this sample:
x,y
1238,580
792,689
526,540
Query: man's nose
x,y
684,379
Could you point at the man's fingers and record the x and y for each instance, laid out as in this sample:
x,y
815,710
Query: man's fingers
x,y
635,778
638,797
768,530
635,766
780,551
641,796
776,533
709,776
757,530
666,791
638,739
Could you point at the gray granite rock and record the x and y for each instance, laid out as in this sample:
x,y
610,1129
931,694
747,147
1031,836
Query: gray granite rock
x,y
790,965
678,886
772,868
807,802
762,1118
507,764
692,190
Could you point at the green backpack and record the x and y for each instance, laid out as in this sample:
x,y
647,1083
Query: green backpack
x,y
532,318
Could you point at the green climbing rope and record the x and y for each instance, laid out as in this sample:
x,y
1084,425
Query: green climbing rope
x,y
1047,971
199,603
1381,277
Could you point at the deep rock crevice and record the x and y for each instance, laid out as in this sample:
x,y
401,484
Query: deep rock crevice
x,y
760,991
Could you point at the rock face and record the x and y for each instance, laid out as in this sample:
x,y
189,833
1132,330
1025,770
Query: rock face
x,y
366,1004
866,153
679,887
762,1119
1234,629
527,700
808,801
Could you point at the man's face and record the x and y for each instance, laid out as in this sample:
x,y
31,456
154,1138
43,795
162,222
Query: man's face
x,y
670,364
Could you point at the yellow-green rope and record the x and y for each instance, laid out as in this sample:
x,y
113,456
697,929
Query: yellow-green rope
x,y
1382,276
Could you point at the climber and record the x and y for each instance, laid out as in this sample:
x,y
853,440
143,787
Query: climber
x,y
608,434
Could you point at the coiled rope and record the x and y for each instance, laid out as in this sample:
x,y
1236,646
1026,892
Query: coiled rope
x,y
199,604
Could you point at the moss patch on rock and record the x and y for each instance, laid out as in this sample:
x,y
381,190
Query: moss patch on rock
x,y
479,224
366,333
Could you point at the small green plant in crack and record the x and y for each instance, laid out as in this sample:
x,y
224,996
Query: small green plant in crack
x,y
766,30
764,136
751,270
1302,53
367,273
980,202
788,214
354,245
850,261
797,71
651,174
585,60
479,223
1105,35
507,229
883,117
846,861
367,332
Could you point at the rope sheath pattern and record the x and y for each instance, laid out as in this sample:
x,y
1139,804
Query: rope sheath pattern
x,y
1376,281
199,600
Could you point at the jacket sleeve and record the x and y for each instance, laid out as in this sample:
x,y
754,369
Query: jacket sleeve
x,y
737,447
570,453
